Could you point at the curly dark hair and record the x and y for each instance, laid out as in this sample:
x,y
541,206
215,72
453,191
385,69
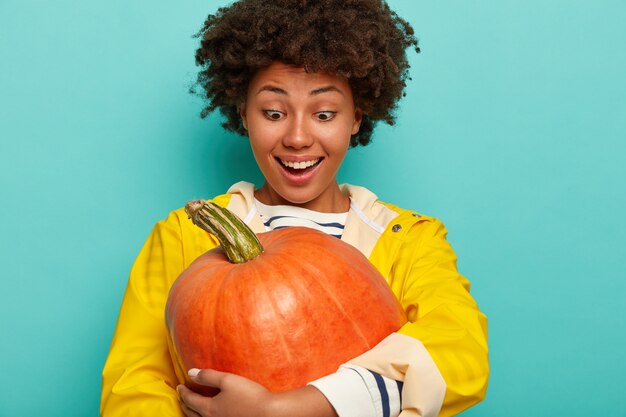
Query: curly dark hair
x,y
363,40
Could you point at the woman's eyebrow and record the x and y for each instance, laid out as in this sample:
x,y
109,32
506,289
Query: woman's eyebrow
x,y
326,89
272,89
317,91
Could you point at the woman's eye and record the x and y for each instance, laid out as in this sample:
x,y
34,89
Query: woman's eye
x,y
273,114
325,115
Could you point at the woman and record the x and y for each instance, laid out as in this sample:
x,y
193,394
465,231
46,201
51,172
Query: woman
x,y
305,80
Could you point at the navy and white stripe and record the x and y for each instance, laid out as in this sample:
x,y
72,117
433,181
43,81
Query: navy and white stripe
x,y
385,392
278,217
280,222
354,391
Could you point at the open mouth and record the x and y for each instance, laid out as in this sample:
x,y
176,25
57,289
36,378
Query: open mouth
x,y
300,167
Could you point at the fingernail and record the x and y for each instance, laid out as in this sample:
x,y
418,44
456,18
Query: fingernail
x,y
193,372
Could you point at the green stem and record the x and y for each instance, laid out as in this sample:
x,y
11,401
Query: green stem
x,y
236,238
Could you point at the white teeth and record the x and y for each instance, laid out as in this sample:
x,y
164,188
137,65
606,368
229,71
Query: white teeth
x,y
300,165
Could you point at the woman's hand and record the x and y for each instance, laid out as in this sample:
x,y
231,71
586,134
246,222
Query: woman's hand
x,y
241,397
238,396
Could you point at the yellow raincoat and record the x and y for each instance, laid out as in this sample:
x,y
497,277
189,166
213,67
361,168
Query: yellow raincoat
x,y
440,354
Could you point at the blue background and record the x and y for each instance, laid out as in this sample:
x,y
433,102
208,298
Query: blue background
x,y
513,133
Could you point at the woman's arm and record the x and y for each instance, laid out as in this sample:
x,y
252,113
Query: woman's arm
x,y
138,377
445,339
241,397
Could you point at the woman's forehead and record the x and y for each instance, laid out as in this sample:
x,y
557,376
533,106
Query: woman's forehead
x,y
280,78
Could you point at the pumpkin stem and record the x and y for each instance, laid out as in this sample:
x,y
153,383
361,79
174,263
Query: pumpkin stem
x,y
238,241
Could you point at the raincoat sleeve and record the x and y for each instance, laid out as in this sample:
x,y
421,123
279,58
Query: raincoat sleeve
x,y
138,377
441,352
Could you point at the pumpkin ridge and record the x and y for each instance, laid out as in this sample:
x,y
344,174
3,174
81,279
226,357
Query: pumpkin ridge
x,y
280,330
215,314
331,294
187,286
229,312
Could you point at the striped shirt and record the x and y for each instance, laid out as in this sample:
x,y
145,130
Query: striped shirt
x,y
353,391
278,217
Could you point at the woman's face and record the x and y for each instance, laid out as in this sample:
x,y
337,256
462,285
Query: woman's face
x,y
299,126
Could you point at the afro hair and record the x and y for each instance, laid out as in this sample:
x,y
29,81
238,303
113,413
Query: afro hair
x,y
362,40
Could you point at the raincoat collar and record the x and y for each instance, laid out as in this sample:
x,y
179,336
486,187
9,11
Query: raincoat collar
x,y
367,219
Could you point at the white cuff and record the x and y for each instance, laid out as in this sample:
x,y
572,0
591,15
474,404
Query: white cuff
x,y
357,392
347,393
424,388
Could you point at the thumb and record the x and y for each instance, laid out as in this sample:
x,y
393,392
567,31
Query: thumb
x,y
208,377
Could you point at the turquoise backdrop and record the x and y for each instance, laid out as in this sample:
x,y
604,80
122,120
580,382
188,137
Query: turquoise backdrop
x,y
513,133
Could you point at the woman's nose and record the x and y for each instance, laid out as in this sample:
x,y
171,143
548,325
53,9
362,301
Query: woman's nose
x,y
298,134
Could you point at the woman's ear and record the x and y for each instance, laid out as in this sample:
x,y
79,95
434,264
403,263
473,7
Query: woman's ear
x,y
358,116
244,115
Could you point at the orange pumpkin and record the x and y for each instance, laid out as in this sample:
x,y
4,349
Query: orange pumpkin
x,y
289,315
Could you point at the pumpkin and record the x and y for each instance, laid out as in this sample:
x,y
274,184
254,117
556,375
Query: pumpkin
x,y
282,308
